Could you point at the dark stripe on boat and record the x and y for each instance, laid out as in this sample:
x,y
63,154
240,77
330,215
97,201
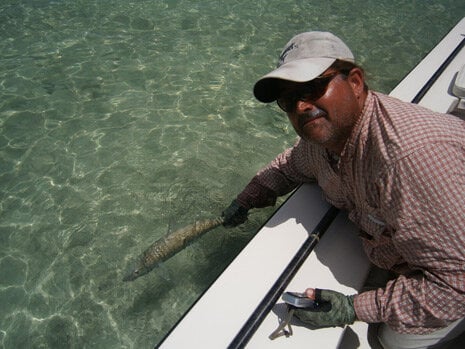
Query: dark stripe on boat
x,y
438,73
268,302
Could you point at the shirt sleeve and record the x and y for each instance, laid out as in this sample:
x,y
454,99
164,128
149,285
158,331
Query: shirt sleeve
x,y
423,200
279,177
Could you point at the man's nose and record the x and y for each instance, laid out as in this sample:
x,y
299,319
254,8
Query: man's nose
x,y
304,105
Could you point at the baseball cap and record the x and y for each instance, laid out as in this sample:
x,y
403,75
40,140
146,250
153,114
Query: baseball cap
x,y
305,57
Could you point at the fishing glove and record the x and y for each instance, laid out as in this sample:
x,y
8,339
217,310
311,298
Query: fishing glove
x,y
334,309
234,215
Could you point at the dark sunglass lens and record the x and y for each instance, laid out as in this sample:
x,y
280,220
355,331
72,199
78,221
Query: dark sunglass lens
x,y
317,88
281,104
312,91
287,102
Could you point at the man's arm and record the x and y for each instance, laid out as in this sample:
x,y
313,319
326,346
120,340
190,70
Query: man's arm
x,y
278,178
424,201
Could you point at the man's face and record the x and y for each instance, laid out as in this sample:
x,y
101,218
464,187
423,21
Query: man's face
x,y
327,115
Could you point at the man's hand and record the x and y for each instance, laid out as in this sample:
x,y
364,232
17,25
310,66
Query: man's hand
x,y
335,309
234,215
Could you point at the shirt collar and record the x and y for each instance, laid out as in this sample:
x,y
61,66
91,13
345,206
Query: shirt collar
x,y
357,133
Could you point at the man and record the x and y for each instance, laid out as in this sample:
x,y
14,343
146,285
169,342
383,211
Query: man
x,y
397,168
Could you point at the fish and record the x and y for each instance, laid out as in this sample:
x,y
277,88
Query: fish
x,y
168,245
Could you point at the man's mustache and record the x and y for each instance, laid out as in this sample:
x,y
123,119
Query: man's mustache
x,y
310,115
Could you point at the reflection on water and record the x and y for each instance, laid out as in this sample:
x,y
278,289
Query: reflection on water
x,y
121,121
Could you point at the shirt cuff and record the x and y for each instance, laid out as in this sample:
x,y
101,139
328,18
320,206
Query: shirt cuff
x,y
366,307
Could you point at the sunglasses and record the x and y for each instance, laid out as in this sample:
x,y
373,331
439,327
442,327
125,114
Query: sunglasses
x,y
311,90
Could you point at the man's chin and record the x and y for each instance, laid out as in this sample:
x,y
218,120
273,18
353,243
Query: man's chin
x,y
317,135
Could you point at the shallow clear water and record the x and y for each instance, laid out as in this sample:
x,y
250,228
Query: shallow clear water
x,y
121,121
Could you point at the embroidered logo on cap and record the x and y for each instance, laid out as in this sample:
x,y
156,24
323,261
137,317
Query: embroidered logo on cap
x,y
283,56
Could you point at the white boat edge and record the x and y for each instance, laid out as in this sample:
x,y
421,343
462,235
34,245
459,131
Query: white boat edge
x,y
338,261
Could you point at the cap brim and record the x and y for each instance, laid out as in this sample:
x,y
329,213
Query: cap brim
x,y
267,89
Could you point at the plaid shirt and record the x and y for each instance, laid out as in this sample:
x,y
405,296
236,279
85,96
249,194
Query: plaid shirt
x,y
401,177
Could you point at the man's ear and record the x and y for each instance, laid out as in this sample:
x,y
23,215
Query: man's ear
x,y
356,80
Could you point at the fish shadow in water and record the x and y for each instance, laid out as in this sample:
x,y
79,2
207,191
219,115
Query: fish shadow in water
x,y
151,297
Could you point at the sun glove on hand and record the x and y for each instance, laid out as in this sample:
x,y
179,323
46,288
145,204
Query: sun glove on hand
x,y
234,215
335,309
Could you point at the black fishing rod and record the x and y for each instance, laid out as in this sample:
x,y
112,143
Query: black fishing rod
x,y
268,302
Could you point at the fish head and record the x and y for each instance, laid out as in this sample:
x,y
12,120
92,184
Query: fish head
x,y
134,272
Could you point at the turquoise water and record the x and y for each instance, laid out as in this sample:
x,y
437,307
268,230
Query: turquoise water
x,y
121,121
